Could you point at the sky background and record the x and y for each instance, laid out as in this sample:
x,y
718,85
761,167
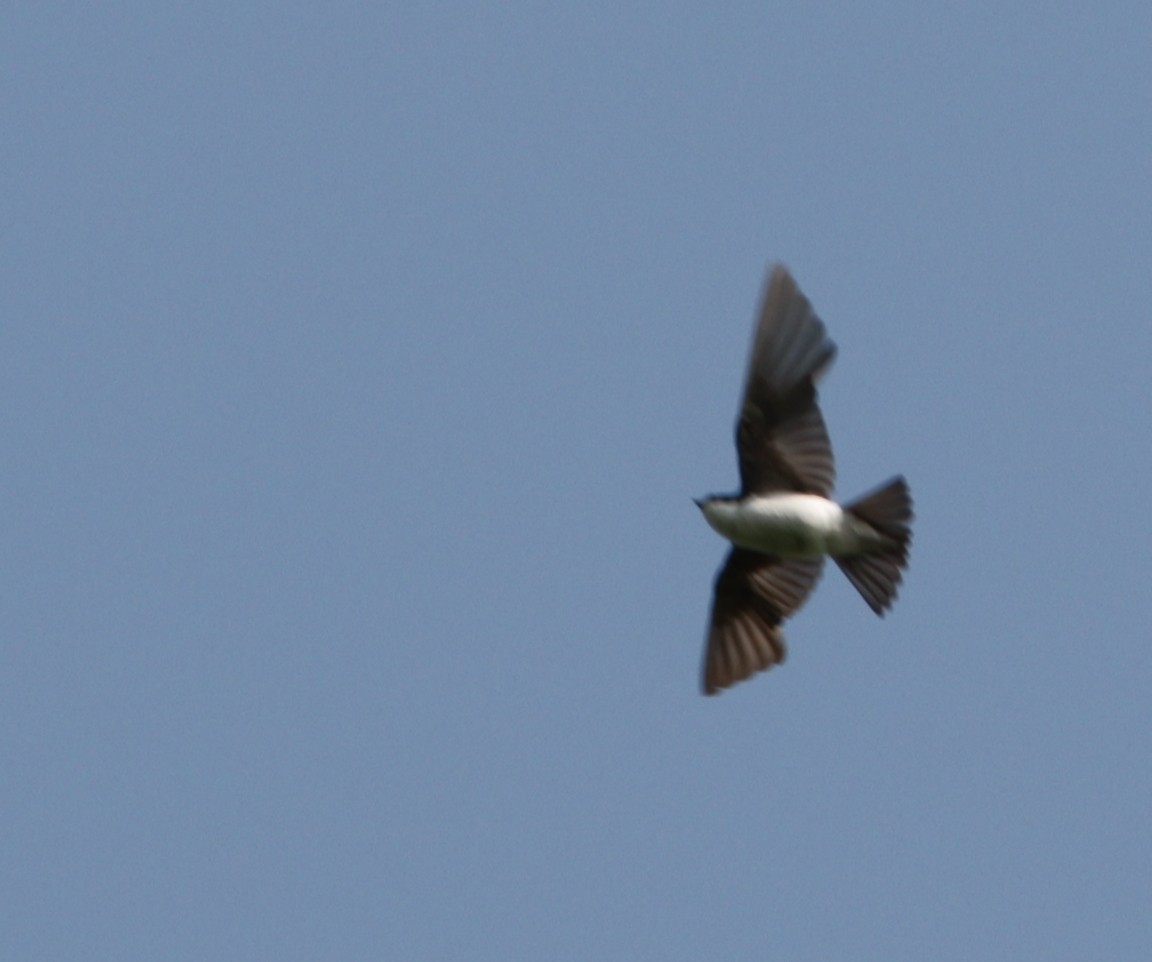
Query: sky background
x,y
358,363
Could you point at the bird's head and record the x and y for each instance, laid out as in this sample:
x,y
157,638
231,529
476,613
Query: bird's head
x,y
718,509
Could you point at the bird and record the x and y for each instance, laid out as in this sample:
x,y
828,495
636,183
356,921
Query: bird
x,y
783,522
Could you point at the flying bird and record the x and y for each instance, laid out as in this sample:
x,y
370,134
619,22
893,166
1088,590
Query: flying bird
x,y
784,522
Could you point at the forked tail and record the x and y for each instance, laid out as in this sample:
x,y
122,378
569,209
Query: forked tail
x,y
877,575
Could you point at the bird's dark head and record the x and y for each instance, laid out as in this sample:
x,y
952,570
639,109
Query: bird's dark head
x,y
719,511
714,499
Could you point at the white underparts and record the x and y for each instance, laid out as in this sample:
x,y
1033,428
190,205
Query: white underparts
x,y
791,526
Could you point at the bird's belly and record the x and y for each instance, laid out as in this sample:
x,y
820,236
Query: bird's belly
x,y
790,526
787,539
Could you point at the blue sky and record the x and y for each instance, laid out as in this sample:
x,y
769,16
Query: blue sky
x,y
358,364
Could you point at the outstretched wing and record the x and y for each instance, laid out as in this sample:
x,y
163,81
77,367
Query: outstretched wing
x,y
753,594
780,436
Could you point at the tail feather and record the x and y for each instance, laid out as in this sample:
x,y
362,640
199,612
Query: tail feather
x,y
877,575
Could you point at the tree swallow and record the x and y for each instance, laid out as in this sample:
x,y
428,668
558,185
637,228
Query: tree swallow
x,y
783,522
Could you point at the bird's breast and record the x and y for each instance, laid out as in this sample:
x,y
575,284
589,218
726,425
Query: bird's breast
x,y
787,525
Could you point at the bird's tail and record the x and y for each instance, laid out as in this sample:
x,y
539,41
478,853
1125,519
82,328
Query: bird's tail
x,y
877,575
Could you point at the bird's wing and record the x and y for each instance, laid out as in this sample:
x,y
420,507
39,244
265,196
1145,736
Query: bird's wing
x,y
753,594
780,437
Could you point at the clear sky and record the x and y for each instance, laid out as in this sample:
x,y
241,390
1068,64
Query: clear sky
x,y
358,363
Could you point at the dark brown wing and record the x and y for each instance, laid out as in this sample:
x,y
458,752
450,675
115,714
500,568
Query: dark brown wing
x,y
754,593
780,437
